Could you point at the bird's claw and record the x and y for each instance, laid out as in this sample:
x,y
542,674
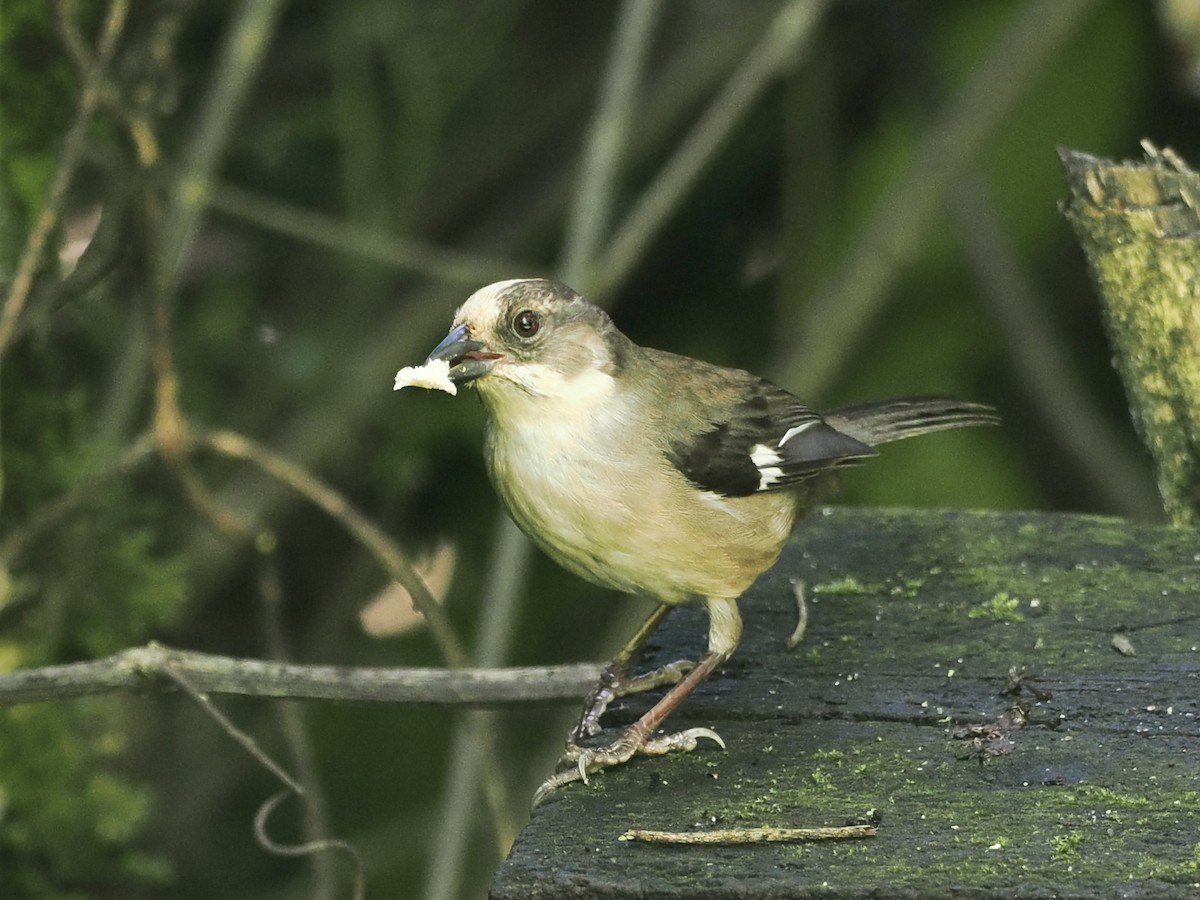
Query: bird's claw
x,y
683,741
579,762
552,784
614,684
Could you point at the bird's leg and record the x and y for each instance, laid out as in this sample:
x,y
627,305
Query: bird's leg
x,y
637,737
615,680
724,632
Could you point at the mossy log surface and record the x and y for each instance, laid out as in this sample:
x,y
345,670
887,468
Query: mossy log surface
x,y
900,700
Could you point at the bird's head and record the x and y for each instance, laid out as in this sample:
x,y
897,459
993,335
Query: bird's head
x,y
531,337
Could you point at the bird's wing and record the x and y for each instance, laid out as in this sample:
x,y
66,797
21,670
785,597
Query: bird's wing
x,y
766,441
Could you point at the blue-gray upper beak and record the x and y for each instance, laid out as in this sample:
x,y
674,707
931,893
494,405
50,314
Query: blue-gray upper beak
x,y
468,359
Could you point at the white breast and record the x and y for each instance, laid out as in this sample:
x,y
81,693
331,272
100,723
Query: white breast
x,y
580,474
556,471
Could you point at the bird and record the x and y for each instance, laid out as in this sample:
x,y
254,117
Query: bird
x,y
650,473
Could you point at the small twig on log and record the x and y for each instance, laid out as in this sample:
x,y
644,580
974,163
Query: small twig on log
x,y
734,836
797,634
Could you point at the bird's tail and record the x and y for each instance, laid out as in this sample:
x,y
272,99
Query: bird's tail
x,y
903,417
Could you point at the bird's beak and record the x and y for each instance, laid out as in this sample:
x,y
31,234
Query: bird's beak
x,y
468,359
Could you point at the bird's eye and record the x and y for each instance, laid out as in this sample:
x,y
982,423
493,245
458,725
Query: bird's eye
x,y
526,323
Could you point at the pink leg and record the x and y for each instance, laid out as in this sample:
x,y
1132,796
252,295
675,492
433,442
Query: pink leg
x,y
616,682
637,737
724,633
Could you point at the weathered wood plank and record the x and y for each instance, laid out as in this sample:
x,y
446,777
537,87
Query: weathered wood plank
x,y
915,622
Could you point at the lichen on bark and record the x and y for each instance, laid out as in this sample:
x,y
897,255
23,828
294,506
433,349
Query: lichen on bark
x,y
1139,226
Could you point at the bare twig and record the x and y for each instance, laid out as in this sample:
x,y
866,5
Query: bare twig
x,y
139,110
245,45
139,667
72,38
362,241
383,548
308,848
470,763
223,520
734,836
779,48
15,542
248,743
169,426
68,162
836,316
607,136
1042,360
317,833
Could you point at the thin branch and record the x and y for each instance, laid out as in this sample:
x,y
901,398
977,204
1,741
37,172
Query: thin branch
x,y
511,551
352,239
15,543
779,48
383,548
470,760
68,162
1042,360
169,426
832,322
241,55
293,725
138,111
184,683
315,848
312,847
72,38
140,667
223,520
607,137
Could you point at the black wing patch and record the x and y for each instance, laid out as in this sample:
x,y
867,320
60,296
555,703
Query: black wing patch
x,y
768,442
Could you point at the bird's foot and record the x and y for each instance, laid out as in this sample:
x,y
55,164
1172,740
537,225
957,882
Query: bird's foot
x,y
614,684
580,762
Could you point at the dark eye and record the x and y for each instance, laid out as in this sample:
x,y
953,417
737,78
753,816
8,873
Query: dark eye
x,y
526,323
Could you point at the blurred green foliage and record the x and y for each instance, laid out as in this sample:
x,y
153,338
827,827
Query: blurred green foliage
x,y
34,69
459,126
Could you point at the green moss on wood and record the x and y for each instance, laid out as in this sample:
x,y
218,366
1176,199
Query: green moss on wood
x,y
1099,787
1139,226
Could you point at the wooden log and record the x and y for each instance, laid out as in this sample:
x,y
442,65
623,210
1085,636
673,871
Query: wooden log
x,y
1014,699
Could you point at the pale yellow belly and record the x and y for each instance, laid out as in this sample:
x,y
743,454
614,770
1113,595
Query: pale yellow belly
x,y
657,536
